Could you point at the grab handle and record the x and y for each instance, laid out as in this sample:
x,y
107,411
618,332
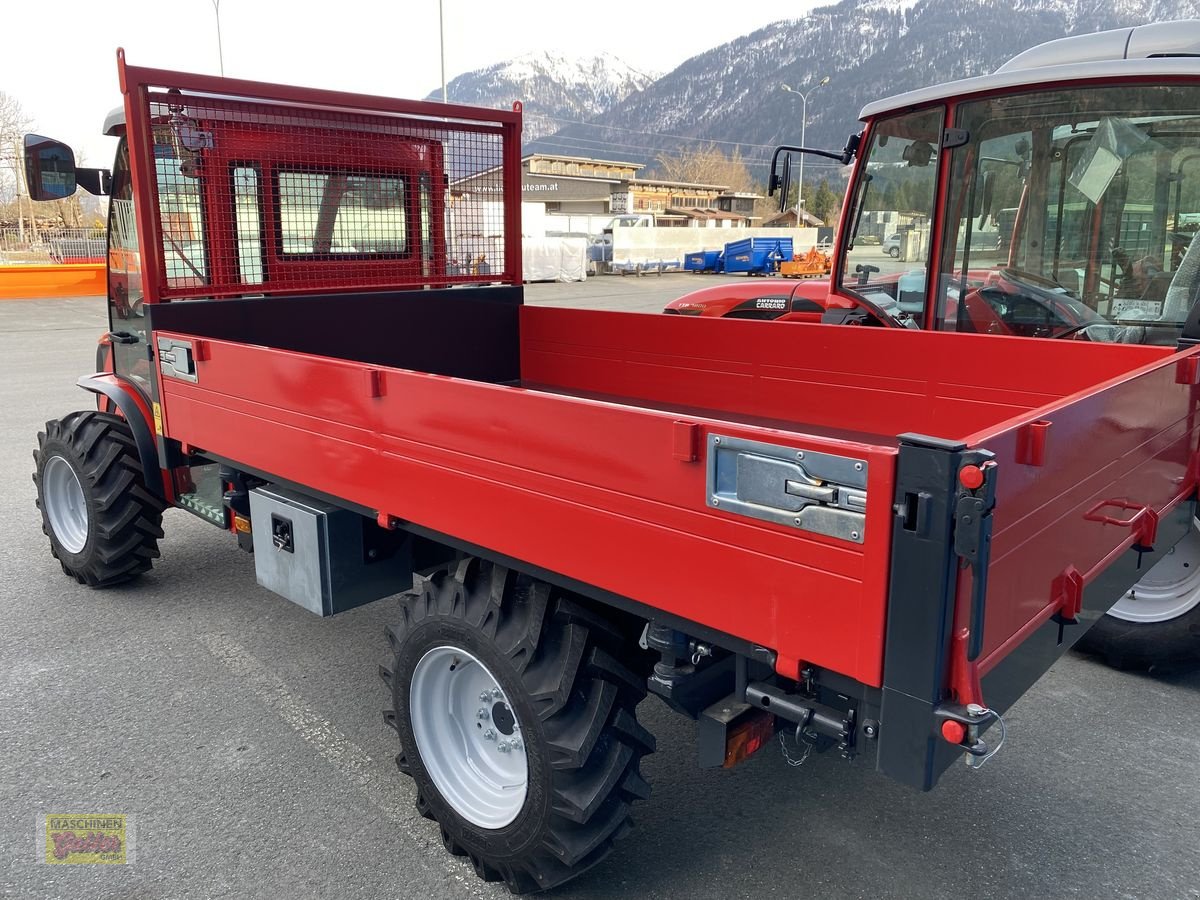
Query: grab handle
x,y
1143,522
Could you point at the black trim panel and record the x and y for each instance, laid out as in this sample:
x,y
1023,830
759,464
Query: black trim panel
x,y
920,614
803,304
471,333
920,611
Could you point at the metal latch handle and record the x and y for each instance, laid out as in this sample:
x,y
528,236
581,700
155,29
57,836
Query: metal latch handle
x,y
818,493
806,489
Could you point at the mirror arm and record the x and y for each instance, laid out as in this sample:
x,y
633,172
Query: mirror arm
x,y
776,181
782,183
844,157
94,181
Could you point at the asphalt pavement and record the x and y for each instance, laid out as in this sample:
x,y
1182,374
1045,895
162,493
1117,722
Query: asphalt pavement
x,y
243,736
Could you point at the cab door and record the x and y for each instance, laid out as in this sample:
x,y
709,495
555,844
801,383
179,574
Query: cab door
x,y
126,311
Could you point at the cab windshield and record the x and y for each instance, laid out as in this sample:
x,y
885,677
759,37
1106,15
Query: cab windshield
x,y
886,257
1071,213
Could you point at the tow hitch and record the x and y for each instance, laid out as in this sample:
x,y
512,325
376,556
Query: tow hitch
x,y
820,723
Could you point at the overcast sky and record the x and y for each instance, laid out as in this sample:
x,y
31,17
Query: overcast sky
x,y
59,57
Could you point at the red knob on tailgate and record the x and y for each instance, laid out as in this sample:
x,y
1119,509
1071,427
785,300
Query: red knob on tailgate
x,y
970,477
954,732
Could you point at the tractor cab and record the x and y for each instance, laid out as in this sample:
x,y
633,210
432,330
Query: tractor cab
x,y
1058,197
288,215
213,198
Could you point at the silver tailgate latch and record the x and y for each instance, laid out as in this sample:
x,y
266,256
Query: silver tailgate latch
x,y
177,359
804,489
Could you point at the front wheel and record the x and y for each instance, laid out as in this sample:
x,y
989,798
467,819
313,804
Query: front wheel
x,y
894,252
1156,624
515,711
102,521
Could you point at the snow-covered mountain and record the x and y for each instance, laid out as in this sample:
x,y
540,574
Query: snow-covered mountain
x,y
869,49
555,89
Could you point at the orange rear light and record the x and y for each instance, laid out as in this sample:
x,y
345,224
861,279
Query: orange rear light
x,y
747,737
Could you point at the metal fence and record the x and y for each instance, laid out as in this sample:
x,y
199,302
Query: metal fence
x,y
51,245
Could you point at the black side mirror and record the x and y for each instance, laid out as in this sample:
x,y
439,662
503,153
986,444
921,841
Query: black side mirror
x,y
49,168
785,183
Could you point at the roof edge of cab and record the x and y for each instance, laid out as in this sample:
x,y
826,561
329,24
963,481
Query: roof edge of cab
x,y
114,122
1161,48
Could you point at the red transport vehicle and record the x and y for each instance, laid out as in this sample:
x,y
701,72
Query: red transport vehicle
x,y
1072,222
868,539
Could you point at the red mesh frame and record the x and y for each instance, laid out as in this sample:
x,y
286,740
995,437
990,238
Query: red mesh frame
x,y
248,188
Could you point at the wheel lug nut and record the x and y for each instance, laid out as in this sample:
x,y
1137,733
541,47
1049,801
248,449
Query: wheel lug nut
x,y
481,714
518,746
489,735
485,696
502,746
497,694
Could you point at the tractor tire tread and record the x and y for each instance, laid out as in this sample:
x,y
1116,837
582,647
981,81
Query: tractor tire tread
x,y
125,519
570,662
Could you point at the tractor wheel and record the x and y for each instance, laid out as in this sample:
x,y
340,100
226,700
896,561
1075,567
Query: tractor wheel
x,y
102,522
515,712
1157,623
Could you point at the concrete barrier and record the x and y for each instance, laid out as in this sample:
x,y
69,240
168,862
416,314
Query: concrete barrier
x,y
32,282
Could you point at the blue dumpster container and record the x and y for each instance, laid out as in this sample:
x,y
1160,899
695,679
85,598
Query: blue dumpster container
x,y
701,261
757,256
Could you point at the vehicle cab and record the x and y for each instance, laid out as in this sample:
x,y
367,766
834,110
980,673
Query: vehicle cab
x,y
1056,197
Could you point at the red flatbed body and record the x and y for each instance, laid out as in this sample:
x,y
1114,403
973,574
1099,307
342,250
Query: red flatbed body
x,y
586,445
576,468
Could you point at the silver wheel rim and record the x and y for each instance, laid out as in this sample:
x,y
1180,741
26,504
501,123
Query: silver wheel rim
x,y
62,497
1169,590
468,736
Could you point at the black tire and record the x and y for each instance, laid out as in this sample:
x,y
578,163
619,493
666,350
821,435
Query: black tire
x,y
1174,644
560,664
124,520
894,252
1170,643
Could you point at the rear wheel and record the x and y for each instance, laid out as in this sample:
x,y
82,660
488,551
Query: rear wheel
x,y
102,522
1157,623
515,712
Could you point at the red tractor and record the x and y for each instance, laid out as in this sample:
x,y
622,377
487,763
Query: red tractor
x,y
1056,198
872,540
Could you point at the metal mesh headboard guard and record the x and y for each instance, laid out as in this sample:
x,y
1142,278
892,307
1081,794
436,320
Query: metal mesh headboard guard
x,y
245,188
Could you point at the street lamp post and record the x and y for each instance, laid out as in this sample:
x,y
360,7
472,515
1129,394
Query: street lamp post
x,y
220,50
442,46
803,95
